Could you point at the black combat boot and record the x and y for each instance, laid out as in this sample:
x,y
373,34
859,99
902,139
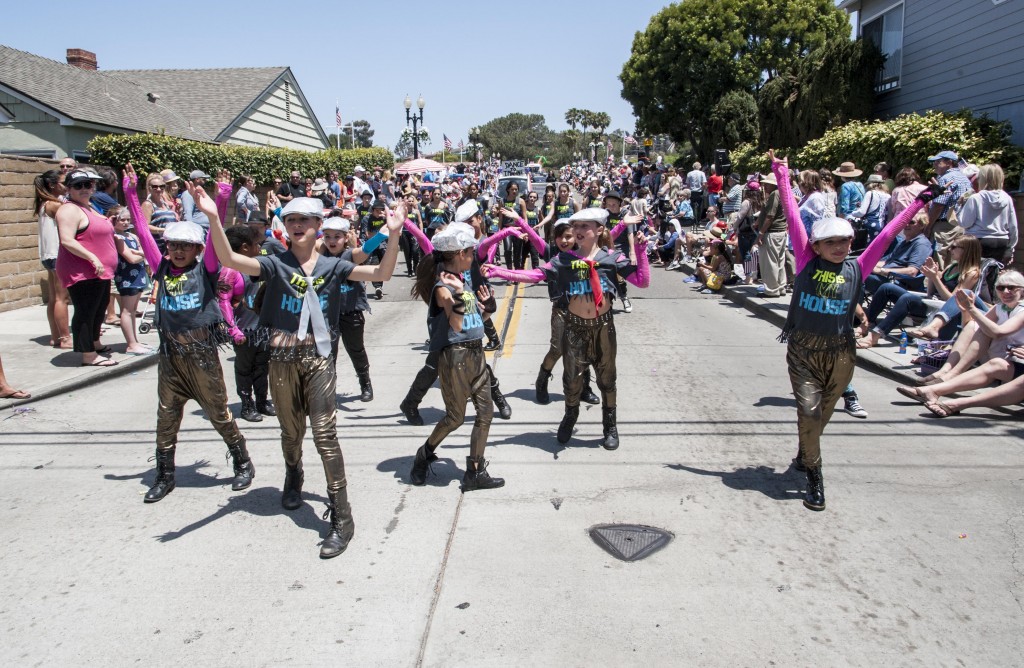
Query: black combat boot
x,y
504,410
291,496
164,483
588,396
542,387
421,465
244,469
265,406
611,432
568,422
815,496
411,412
342,526
249,412
365,387
477,476
493,343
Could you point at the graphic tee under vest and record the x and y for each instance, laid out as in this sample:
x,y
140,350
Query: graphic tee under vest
x,y
286,290
570,275
187,313
441,333
824,299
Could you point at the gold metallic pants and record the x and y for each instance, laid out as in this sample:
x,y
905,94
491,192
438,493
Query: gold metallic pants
x,y
463,376
819,377
557,332
197,376
304,384
588,342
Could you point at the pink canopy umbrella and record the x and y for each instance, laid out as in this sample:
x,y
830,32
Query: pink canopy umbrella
x,y
419,166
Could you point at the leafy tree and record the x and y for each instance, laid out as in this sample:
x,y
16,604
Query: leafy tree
x,y
363,135
733,119
519,136
573,117
829,88
695,52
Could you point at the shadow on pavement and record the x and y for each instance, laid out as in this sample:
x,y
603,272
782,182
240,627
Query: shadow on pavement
x,y
774,485
185,475
262,502
442,472
788,402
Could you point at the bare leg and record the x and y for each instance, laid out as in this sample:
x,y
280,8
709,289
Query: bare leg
x,y
965,352
972,379
1006,394
128,305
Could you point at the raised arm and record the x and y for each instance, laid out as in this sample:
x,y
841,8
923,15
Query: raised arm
x,y
229,258
149,248
873,253
421,238
487,248
384,270
223,194
802,250
535,239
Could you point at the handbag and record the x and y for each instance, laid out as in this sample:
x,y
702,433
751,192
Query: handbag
x,y
714,282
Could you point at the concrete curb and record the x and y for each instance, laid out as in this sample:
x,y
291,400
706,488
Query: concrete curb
x,y
98,375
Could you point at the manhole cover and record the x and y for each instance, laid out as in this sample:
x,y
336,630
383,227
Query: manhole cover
x,y
629,542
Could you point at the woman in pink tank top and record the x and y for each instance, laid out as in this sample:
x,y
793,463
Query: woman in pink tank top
x,y
85,264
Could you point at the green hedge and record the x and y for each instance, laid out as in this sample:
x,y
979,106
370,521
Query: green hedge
x,y
151,153
905,141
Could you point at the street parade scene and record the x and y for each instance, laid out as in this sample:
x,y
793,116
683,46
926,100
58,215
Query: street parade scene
x,y
696,341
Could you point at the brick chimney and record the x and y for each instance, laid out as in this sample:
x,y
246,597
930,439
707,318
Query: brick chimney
x,y
81,58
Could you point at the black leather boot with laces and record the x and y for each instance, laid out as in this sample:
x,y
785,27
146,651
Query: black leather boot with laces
x,y
265,406
588,396
291,495
421,465
244,469
815,497
164,483
477,476
543,396
249,412
343,528
611,431
365,387
504,410
572,413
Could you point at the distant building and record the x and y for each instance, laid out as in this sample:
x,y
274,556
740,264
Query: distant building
x,y
51,110
947,55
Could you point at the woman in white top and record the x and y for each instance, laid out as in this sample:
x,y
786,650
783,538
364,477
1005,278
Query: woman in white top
x,y
814,205
989,216
49,197
246,202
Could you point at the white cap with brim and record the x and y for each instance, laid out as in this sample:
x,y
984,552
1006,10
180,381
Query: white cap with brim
x,y
560,223
304,206
830,228
185,231
336,223
455,237
591,214
465,212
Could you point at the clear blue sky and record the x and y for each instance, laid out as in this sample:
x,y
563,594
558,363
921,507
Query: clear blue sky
x,y
471,61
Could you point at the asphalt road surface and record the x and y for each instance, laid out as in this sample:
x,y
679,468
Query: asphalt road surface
x,y
918,559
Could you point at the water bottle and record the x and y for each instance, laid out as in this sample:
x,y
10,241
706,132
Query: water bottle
x,y
903,343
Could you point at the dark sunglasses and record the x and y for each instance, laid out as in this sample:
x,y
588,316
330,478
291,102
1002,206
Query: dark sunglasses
x,y
156,187
83,185
1007,288
180,245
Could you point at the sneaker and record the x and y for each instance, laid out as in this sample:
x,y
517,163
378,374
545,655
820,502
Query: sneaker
x,y
378,293
627,305
690,279
672,265
707,291
852,406
761,288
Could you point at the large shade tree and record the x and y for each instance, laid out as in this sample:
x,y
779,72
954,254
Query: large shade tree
x,y
695,52
518,136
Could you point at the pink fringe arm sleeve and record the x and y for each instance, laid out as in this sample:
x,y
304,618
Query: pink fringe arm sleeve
x,y
222,199
421,238
518,276
149,247
234,279
802,251
535,239
873,253
488,248
617,230
641,278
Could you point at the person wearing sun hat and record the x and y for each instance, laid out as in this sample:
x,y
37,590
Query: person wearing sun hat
x,y
819,329
851,192
191,326
456,328
299,317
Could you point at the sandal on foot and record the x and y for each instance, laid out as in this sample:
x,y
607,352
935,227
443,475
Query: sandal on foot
x,y
15,394
941,409
102,361
865,343
918,333
912,393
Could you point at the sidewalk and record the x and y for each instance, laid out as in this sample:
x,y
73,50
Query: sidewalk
x,y
30,364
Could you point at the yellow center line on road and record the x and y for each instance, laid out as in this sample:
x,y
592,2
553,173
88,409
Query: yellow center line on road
x,y
513,323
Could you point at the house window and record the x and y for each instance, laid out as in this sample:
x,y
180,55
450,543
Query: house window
x,y
886,31
287,101
29,153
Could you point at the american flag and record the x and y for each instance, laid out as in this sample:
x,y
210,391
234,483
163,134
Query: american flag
x,y
447,143
461,145
337,116
630,139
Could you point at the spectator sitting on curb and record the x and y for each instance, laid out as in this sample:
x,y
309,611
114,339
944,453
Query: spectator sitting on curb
x,y
903,263
713,228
